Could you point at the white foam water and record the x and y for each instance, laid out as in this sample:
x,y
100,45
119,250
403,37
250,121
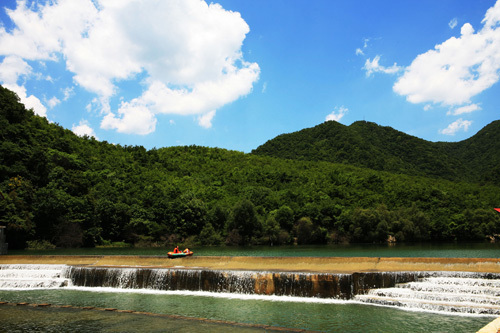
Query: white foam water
x,y
271,298
33,276
442,292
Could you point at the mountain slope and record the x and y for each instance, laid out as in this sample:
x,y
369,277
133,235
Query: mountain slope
x,y
480,153
59,189
382,148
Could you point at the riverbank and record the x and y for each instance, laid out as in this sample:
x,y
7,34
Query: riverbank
x,y
283,264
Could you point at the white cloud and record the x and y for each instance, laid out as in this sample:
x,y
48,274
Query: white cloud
x,y
337,114
53,102
464,109
453,23
365,42
360,51
456,126
13,67
427,107
68,92
83,128
206,119
373,66
264,87
30,102
458,69
133,119
187,50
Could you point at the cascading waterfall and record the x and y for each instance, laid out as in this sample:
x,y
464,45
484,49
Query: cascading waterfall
x,y
475,293
298,284
434,291
33,276
240,282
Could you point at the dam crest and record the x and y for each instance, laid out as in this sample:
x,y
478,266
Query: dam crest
x,y
450,292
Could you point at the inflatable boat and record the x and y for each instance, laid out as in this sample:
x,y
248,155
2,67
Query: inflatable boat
x,y
185,253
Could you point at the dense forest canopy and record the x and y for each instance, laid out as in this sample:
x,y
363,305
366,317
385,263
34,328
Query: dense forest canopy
x,y
369,145
61,189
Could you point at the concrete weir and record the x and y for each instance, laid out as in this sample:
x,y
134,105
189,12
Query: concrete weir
x,y
298,284
386,281
346,265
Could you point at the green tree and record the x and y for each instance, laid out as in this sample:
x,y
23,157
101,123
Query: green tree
x,y
271,230
285,218
245,220
208,236
304,230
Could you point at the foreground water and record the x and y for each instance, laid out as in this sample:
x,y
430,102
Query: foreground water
x,y
340,316
280,311
429,250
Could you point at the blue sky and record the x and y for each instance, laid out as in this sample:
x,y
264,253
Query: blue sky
x,y
234,74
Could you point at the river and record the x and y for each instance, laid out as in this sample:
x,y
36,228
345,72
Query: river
x,y
236,311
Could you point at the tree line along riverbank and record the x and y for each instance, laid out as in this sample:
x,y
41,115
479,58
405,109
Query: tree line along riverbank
x,y
58,189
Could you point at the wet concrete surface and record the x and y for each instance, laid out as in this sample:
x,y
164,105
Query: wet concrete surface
x,y
279,264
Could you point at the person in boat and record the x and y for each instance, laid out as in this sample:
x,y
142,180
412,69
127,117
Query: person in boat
x,y
186,250
176,250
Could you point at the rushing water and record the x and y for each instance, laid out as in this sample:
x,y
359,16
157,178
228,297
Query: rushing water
x,y
429,250
55,284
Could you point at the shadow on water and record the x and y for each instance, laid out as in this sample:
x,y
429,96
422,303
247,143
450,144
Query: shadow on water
x,y
430,250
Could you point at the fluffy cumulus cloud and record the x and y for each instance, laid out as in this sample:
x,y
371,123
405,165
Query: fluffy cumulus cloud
x,y
206,119
131,119
337,114
458,69
14,69
54,101
187,52
83,128
456,126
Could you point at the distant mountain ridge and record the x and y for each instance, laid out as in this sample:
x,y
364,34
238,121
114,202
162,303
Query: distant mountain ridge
x,y
58,189
367,144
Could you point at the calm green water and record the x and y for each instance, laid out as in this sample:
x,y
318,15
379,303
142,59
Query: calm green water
x,y
28,319
342,317
447,250
336,317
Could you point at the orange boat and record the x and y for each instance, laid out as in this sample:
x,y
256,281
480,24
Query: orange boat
x,y
185,253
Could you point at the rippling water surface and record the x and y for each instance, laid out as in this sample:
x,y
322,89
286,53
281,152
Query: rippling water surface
x,y
341,316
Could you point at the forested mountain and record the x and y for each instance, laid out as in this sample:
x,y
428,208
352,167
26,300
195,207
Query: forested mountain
x,y
57,188
376,147
480,153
